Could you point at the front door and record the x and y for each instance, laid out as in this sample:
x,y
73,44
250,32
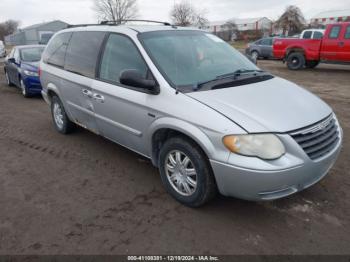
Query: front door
x,y
121,111
344,45
330,44
12,68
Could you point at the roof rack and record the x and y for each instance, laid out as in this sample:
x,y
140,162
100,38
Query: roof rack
x,y
133,20
81,25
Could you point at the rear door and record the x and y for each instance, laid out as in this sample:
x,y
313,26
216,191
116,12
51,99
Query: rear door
x,y
344,45
79,69
330,43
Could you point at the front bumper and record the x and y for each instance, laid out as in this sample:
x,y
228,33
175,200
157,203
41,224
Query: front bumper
x,y
277,179
33,85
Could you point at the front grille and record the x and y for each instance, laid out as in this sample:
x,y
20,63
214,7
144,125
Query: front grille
x,y
319,139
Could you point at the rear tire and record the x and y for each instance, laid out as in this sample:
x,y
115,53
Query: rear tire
x,y
60,119
186,173
312,64
255,55
295,61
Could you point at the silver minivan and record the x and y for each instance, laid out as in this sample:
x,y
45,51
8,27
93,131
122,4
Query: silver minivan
x,y
205,115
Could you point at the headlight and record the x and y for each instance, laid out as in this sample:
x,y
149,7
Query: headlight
x,y
30,73
265,146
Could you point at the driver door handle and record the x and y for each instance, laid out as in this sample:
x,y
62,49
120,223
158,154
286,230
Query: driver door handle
x,y
87,93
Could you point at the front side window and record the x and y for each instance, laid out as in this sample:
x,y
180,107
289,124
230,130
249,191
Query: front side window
x,y
189,58
318,35
334,34
32,54
82,53
120,54
307,35
347,33
56,50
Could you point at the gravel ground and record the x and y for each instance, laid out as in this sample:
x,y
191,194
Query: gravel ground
x,y
81,194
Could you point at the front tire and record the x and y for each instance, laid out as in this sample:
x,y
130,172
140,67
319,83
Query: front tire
x,y
60,119
295,61
24,89
186,173
8,81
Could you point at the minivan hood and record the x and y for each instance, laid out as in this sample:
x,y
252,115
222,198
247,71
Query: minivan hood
x,y
276,105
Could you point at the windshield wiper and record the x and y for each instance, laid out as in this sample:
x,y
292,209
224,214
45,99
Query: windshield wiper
x,y
232,75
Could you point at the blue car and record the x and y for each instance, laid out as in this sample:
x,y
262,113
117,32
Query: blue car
x,y
22,69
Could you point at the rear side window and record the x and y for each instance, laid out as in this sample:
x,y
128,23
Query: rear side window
x,y
317,35
347,33
82,53
307,34
120,54
335,32
266,41
55,52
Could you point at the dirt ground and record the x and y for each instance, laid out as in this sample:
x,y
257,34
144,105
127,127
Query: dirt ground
x,y
81,194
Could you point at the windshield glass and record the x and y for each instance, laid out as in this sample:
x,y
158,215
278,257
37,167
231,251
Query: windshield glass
x,y
32,54
186,58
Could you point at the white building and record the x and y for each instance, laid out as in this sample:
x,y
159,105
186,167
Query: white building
x,y
243,24
330,17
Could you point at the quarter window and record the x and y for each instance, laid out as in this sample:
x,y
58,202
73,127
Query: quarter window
x,y
56,50
82,53
347,33
335,32
307,35
120,54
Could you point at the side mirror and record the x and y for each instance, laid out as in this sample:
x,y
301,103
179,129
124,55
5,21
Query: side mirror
x,y
251,59
134,78
11,60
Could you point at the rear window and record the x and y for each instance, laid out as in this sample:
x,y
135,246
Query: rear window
x,y
347,33
335,32
56,50
82,53
307,34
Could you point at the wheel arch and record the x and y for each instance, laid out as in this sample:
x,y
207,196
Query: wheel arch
x,y
295,49
165,128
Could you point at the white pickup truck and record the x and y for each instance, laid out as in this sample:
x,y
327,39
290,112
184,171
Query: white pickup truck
x,y
312,34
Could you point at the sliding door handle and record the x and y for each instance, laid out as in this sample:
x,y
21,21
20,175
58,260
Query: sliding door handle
x,y
99,98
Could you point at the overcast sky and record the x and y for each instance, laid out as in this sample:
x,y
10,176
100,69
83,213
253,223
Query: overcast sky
x,y
81,11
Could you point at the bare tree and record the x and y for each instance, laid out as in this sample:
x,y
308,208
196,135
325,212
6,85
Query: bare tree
x,y
116,10
291,21
8,27
184,14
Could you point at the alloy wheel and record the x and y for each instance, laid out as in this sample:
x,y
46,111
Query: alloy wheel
x,y
58,115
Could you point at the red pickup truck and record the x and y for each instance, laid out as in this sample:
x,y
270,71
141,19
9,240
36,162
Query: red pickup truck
x,y
334,47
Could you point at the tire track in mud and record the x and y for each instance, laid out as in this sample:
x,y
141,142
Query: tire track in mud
x,y
39,145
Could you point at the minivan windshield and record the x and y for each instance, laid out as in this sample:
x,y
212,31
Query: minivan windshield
x,y
188,58
31,54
